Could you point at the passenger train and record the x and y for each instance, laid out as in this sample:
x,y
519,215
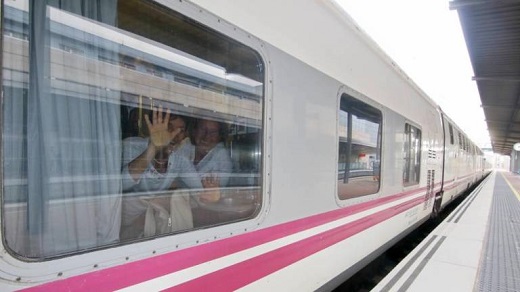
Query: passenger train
x,y
329,153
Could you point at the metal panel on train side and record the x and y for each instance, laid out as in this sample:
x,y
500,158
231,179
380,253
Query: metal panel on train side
x,y
393,158
304,139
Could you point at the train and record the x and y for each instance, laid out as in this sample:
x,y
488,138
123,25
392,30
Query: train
x,y
328,152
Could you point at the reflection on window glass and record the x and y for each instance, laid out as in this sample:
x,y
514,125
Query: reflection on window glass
x,y
123,120
359,156
412,155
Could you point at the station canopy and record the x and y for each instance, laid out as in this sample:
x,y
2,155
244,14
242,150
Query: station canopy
x,y
492,32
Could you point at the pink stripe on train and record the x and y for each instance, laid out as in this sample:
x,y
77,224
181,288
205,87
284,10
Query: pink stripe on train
x,y
246,272
143,270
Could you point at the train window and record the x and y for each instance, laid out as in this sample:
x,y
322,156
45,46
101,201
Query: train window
x,y
123,120
412,155
359,154
451,134
461,145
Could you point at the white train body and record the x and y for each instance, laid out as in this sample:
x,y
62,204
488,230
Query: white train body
x,y
308,231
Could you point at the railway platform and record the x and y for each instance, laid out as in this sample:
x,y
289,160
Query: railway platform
x,y
476,248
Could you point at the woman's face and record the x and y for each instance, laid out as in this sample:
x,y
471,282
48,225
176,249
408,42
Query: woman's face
x,y
177,123
206,135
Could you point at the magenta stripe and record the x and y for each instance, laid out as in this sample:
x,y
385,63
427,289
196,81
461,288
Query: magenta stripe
x,y
246,272
118,277
447,188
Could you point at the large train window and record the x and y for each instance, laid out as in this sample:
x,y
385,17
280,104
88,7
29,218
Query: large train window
x,y
123,120
359,157
412,155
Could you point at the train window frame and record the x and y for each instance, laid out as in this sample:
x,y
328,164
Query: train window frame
x,y
368,117
231,35
412,173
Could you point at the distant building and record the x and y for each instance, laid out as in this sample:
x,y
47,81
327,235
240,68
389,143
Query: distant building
x,y
497,161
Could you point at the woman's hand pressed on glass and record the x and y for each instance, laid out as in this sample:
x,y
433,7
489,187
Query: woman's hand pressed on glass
x,y
160,135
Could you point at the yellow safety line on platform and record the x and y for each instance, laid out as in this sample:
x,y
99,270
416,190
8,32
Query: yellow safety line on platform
x,y
511,186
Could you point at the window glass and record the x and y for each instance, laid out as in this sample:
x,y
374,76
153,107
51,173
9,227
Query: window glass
x,y
359,156
451,134
123,120
461,147
412,155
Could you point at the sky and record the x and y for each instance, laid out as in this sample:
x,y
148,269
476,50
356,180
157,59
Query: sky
x,y
425,39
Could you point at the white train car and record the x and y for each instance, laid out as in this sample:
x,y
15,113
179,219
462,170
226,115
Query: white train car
x,y
464,163
305,147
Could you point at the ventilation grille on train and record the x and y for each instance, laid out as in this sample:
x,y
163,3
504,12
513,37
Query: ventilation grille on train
x,y
432,154
430,186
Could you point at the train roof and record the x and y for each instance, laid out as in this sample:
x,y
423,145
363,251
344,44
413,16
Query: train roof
x,y
312,31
